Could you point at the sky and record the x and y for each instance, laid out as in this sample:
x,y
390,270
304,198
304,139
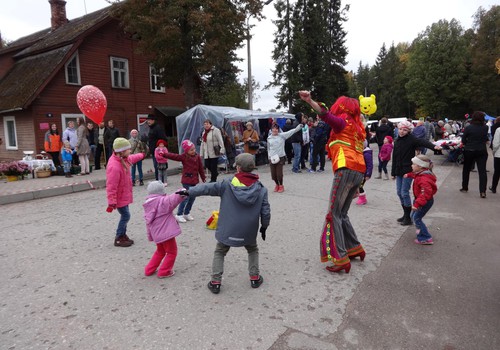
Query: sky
x,y
370,24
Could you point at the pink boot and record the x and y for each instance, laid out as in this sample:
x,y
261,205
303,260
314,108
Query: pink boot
x,y
361,199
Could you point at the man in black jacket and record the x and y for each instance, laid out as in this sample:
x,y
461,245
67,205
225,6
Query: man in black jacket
x,y
156,133
296,139
383,130
110,135
321,136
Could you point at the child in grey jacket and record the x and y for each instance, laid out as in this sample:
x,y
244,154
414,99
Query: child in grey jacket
x,y
243,203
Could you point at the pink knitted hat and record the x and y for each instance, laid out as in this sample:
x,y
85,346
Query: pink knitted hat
x,y
186,145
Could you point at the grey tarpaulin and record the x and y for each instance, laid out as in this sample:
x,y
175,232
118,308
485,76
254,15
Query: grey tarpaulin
x,y
190,123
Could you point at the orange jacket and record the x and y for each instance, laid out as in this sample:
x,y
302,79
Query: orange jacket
x,y
52,142
346,148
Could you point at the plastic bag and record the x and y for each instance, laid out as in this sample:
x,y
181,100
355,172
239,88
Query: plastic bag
x,y
212,221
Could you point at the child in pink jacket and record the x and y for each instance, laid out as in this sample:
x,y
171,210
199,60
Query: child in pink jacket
x,y
162,228
160,151
119,186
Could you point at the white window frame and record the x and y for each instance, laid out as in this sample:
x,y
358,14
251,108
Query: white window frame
x,y
65,118
155,76
6,121
77,59
120,84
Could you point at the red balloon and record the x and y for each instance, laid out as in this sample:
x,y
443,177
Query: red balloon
x,y
92,103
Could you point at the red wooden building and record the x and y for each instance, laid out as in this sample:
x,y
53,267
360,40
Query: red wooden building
x,y
41,74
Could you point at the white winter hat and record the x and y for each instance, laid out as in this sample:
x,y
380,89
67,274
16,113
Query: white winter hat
x,y
156,187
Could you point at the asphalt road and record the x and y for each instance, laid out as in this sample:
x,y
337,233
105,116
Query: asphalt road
x,y
65,286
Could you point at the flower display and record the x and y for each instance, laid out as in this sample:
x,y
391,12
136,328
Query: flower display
x,y
14,168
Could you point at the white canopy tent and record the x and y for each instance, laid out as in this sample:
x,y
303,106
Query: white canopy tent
x,y
190,123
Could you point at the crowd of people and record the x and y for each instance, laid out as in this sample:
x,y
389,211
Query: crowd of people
x,y
338,133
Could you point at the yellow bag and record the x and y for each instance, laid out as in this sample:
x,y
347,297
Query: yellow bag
x,y
213,220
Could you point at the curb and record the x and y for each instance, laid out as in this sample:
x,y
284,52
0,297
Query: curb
x,y
66,189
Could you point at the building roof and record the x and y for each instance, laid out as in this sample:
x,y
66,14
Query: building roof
x,y
42,55
21,84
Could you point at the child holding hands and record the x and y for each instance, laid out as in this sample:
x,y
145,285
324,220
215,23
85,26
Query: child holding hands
x,y
192,171
424,189
119,186
162,229
243,204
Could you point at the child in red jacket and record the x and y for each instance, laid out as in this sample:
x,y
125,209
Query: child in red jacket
x,y
192,171
424,189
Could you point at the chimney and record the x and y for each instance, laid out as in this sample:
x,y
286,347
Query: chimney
x,y
58,12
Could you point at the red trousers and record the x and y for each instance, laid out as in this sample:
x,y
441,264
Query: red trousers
x,y
166,251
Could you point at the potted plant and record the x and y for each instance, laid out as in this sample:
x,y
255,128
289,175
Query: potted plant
x,y
43,170
12,170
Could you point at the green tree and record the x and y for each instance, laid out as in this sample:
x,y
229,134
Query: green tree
x,y
187,38
221,87
485,51
309,51
436,71
390,83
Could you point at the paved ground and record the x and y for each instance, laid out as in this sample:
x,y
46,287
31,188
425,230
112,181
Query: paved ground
x,y
64,286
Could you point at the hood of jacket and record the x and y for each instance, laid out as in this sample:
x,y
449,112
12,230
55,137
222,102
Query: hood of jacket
x,y
246,195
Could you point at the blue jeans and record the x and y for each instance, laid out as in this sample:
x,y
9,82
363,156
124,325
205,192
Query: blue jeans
x,y
297,147
186,204
403,185
124,219
67,166
92,151
137,165
382,165
417,216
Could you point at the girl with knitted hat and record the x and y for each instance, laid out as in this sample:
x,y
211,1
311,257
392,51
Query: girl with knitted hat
x,y
119,186
424,189
192,171
160,151
162,229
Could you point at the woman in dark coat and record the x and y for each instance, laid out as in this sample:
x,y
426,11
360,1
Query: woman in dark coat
x,y
474,140
404,150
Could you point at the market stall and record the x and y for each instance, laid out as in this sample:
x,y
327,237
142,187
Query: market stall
x,y
230,119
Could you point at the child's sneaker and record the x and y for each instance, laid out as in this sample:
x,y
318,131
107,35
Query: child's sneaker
x,y
170,274
214,287
189,217
180,218
256,281
426,242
